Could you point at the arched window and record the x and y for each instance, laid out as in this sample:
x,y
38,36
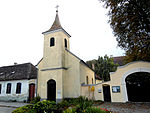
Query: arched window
x,y
52,42
87,80
65,43
18,88
8,90
0,88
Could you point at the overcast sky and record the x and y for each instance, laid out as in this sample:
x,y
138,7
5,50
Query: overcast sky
x,y
23,21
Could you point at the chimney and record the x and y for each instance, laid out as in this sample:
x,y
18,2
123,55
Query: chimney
x,y
15,63
93,67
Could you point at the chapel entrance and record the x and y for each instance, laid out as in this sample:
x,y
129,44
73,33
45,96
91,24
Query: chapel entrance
x,y
106,93
31,91
138,87
51,90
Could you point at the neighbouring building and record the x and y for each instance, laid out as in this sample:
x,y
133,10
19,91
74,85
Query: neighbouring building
x,y
18,82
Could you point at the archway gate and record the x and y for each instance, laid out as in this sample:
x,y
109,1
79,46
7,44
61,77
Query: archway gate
x,y
118,78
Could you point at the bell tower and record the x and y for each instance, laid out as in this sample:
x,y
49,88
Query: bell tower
x,y
52,67
56,40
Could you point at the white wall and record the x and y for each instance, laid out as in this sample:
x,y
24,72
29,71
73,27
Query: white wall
x,y
13,96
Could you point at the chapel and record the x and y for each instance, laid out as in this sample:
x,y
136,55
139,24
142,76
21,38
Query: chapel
x,y
60,72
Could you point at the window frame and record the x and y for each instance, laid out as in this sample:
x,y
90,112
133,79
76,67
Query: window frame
x,y
92,81
18,88
52,41
0,88
8,90
116,89
65,40
87,80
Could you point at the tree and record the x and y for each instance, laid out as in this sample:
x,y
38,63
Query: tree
x,y
102,66
130,21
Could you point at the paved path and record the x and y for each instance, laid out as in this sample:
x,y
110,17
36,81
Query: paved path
x,y
126,107
8,107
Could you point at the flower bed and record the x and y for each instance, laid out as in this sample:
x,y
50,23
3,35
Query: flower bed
x,y
78,105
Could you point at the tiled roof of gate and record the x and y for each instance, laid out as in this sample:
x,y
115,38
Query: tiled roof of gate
x,y
18,72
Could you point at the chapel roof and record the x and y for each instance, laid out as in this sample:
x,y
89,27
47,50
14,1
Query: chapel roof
x,y
18,72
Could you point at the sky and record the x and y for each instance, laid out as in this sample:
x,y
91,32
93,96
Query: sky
x,y
23,21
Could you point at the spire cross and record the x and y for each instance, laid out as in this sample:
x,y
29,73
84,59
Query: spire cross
x,y
57,8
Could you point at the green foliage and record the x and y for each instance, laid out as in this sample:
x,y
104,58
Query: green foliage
x,y
39,107
64,104
45,106
70,111
130,21
25,109
36,99
103,65
87,110
73,105
84,103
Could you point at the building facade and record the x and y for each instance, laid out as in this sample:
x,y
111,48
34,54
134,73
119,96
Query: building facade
x,y
18,82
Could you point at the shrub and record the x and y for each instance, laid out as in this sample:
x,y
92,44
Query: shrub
x,y
64,104
36,99
45,106
70,111
83,104
25,109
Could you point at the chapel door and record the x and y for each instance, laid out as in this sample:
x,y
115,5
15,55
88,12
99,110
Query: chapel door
x,y
51,90
31,91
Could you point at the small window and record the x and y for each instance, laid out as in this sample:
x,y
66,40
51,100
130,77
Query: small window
x,y
87,80
8,90
92,80
65,43
0,88
18,88
52,42
115,89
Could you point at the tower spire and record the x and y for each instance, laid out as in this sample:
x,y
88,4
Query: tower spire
x,y
56,24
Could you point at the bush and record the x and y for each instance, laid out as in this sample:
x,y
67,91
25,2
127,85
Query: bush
x,y
70,111
45,106
78,105
25,109
84,103
36,99
39,107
